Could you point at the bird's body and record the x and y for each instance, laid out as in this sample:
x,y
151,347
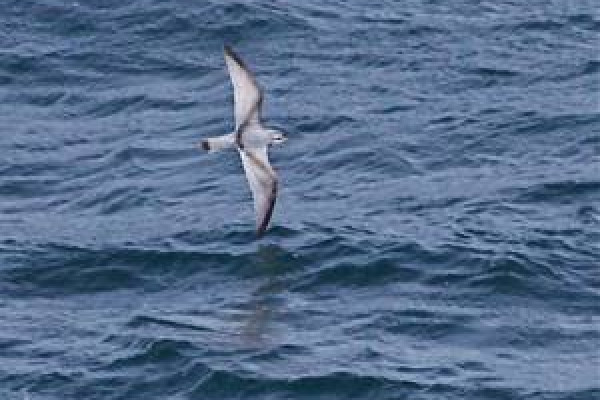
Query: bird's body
x,y
251,138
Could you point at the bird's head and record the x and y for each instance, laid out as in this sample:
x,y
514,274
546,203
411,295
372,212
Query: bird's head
x,y
277,136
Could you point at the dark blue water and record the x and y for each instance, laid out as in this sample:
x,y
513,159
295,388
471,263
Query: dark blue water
x,y
437,234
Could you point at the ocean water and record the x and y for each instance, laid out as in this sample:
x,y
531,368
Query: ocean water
x,y
437,233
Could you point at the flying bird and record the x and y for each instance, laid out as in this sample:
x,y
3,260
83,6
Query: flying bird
x,y
251,138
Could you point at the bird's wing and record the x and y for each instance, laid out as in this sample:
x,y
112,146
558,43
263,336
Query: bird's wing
x,y
247,95
263,184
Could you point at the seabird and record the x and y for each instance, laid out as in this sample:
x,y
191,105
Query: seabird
x,y
251,138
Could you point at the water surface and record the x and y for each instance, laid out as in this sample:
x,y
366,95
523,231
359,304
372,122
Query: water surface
x,y
436,235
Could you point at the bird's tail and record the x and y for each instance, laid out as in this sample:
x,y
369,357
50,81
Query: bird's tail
x,y
218,143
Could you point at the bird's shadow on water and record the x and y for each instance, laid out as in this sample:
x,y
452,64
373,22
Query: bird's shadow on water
x,y
267,302
252,322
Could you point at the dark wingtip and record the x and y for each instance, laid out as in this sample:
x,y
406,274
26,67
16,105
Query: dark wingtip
x,y
260,231
205,145
229,52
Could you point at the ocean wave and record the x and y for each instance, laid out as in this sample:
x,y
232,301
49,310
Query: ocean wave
x,y
342,385
435,235
358,272
560,191
66,270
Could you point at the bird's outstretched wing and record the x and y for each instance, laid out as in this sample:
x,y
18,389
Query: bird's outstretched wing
x,y
263,184
247,95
